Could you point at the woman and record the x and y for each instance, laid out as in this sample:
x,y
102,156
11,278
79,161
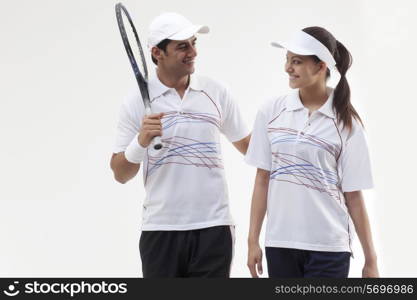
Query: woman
x,y
313,162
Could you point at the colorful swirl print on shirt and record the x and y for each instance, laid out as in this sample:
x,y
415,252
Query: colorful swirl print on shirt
x,y
186,150
288,166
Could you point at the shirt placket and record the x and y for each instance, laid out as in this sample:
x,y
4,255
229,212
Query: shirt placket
x,y
180,110
179,106
307,121
304,121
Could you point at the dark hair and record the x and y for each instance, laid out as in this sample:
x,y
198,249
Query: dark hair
x,y
163,46
341,100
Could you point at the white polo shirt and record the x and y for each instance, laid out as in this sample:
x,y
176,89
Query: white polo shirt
x,y
184,181
312,162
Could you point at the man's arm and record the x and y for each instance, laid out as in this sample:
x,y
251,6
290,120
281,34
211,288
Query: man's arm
x,y
123,169
242,145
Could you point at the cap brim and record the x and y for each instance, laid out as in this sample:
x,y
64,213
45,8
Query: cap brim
x,y
189,32
292,48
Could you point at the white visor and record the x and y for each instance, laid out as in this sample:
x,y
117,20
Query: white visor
x,y
304,44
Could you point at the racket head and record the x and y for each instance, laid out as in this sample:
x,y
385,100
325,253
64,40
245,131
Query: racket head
x,y
136,57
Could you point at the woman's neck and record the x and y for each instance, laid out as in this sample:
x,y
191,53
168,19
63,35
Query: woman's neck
x,y
313,97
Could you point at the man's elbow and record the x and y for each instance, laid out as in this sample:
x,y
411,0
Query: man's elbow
x,y
123,170
117,175
120,179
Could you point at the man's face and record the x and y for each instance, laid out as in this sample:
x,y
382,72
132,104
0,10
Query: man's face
x,y
178,58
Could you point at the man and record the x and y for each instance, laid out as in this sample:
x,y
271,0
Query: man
x,y
186,230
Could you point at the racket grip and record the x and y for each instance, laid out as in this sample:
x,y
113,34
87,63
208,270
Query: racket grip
x,y
157,143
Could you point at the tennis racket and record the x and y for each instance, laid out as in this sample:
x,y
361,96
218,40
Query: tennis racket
x,y
140,70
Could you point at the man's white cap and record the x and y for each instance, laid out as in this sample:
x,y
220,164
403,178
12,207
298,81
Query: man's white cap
x,y
172,26
304,44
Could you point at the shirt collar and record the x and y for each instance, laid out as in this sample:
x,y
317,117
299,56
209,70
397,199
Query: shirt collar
x,y
194,83
293,103
157,88
327,107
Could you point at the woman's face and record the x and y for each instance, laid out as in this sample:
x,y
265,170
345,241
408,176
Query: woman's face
x,y
303,70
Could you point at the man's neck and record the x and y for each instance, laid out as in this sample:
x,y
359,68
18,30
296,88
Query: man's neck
x,y
179,83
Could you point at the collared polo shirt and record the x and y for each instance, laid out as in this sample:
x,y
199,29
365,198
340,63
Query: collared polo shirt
x,y
312,161
184,181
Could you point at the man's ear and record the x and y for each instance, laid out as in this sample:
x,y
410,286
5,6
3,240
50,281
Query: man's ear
x,y
157,53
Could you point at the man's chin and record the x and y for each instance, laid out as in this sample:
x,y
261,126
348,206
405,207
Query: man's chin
x,y
191,70
186,71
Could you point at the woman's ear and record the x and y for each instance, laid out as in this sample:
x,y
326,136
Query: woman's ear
x,y
321,67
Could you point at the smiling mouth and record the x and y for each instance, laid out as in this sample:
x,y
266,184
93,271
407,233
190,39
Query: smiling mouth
x,y
292,77
188,61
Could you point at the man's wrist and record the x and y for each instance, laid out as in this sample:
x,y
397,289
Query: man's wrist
x,y
135,153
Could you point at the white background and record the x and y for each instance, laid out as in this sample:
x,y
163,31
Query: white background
x,y
64,73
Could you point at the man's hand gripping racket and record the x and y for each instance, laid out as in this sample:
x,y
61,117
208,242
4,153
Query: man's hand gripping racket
x,y
140,70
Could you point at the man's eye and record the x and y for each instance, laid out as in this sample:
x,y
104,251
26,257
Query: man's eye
x,y
296,62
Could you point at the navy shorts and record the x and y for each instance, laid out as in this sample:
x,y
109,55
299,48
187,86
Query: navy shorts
x,y
203,252
295,263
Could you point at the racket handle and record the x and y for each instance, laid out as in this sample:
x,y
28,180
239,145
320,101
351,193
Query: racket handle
x,y
157,143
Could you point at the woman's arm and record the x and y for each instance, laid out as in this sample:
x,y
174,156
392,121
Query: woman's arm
x,y
357,211
257,214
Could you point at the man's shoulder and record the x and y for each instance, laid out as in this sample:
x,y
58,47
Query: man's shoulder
x,y
208,84
133,102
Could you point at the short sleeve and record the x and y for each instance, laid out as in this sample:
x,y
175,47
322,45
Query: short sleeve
x,y
259,152
355,166
233,126
130,117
